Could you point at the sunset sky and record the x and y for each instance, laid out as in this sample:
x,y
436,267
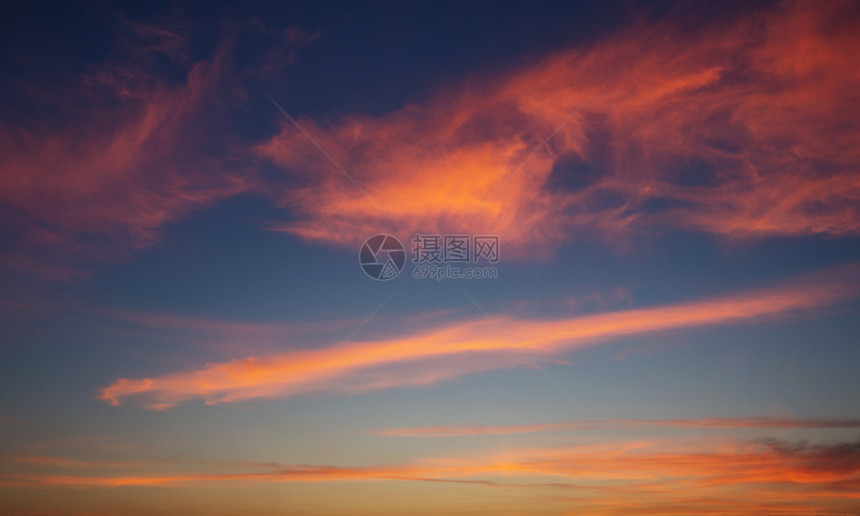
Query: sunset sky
x,y
670,327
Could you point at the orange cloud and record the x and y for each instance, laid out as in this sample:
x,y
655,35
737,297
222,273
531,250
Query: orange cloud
x,y
428,356
741,130
638,477
707,423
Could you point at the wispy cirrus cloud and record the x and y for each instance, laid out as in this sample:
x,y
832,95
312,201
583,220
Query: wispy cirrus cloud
x,y
718,423
744,130
95,162
438,353
122,159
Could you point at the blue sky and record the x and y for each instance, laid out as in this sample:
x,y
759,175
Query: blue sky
x,y
671,327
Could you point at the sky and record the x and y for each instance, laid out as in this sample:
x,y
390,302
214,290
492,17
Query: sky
x,y
370,258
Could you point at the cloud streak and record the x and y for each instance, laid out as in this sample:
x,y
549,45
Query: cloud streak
x,y
705,423
448,351
625,478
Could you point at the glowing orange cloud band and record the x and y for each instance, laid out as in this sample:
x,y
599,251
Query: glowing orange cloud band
x,y
799,478
706,423
431,355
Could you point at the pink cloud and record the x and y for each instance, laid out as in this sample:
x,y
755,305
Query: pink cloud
x,y
126,155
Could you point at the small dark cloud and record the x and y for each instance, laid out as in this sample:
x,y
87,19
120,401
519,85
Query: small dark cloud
x,y
842,457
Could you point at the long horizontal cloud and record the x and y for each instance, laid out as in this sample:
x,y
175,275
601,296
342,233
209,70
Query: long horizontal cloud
x,y
429,356
705,423
780,476
741,130
69,463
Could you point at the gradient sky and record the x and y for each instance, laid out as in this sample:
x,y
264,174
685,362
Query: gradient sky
x,y
186,329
